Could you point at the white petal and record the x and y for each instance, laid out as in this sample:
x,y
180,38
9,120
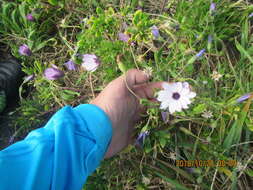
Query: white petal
x,y
183,103
162,95
186,100
172,106
176,87
166,86
164,105
186,85
185,91
171,109
191,95
178,107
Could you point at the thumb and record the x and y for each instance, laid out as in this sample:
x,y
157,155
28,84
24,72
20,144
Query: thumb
x,y
135,77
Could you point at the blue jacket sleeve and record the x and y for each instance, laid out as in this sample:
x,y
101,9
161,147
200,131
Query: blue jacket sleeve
x,y
59,155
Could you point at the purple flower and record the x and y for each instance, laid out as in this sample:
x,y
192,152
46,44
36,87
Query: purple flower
x,y
24,50
200,53
28,78
70,65
244,97
123,37
155,31
212,7
141,138
164,116
210,39
90,62
251,15
53,73
30,17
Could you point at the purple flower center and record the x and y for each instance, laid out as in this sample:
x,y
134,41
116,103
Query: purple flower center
x,y
176,95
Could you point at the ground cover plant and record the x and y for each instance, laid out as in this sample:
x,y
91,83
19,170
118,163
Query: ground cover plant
x,y
70,50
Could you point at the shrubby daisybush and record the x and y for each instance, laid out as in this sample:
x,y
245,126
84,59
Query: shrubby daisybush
x,y
53,73
24,50
90,62
70,65
175,96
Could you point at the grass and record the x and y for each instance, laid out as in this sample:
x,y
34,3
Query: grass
x,y
63,29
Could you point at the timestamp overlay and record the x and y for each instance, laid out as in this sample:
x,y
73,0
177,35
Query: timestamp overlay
x,y
206,163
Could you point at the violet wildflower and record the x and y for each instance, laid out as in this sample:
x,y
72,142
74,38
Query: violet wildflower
x,y
164,116
212,7
123,37
53,73
200,53
90,62
24,50
251,15
29,77
155,31
244,97
141,138
70,65
30,17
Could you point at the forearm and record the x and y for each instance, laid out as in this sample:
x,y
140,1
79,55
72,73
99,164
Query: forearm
x,y
61,154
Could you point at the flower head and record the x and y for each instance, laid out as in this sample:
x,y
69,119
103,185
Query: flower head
x,y
70,65
24,50
30,17
141,138
148,71
175,96
216,76
53,73
123,37
244,97
155,31
251,15
164,116
90,62
200,53
207,114
212,7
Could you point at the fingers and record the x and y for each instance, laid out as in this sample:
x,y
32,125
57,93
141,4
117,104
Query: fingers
x,y
136,77
147,90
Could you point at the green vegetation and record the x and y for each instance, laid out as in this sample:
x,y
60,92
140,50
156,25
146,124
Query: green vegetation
x,y
215,127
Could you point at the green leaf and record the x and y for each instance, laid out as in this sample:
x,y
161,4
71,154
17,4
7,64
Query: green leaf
x,y
199,108
234,134
177,185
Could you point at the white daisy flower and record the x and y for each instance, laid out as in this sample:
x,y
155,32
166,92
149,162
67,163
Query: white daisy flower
x,y
175,96
90,62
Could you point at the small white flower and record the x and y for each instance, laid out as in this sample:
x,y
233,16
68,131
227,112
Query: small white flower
x,y
207,114
216,76
240,166
173,156
90,62
175,96
148,71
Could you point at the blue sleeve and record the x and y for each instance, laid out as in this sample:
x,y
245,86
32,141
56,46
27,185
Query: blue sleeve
x,y
60,155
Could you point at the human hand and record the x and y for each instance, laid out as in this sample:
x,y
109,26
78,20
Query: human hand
x,y
121,101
